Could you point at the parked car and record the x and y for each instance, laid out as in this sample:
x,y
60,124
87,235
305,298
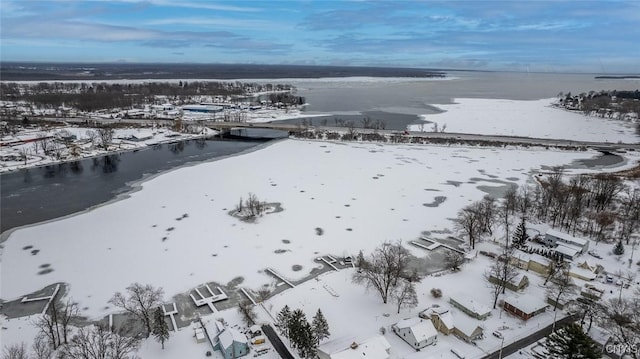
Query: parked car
x,y
497,334
609,278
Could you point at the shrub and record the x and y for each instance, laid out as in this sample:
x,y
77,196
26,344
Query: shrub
x,y
436,292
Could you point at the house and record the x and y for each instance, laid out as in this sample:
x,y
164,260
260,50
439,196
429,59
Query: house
x,y
466,328
470,307
581,273
447,322
441,318
595,268
553,238
524,307
416,332
591,292
530,262
567,251
232,344
141,136
376,347
519,282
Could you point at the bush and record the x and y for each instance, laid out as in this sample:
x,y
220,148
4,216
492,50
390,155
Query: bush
x,y
436,292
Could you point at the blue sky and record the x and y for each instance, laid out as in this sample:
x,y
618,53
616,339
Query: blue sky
x,y
559,36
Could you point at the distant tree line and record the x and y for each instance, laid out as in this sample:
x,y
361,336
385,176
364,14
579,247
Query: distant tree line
x,y
100,95
610,104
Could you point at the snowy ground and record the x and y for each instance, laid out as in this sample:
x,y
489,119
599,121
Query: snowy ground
x,y
514,118
359,194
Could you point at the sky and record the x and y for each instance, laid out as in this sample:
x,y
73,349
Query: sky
x,y
513,35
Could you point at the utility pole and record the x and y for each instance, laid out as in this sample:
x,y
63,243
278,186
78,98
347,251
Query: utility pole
x,y
501,346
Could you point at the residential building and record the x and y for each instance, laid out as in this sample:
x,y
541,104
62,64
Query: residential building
x,y
376,347
553,238
416,332
470,307
232,344
524,307
441,318
519,282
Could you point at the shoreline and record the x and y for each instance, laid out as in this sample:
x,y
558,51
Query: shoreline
x,y
134,187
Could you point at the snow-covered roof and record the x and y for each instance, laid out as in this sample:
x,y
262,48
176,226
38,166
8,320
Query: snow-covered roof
x,y
371,348
525,303
229,335
518,278
442,312
471,305
421,329
464,323
583,273
568,250
566,237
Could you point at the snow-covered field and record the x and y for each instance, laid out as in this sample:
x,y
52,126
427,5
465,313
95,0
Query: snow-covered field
x,y
515,118
176,232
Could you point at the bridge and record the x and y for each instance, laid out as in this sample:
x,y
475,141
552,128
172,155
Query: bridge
x,y
606,147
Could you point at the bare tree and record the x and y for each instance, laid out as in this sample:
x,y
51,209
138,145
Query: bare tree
x,y
23,152
98,342
105,134
469,223
263,294
245,308
621,317
499,274
404,295
15,351
382,269
140,301
453,260
40,348
561,288
92,136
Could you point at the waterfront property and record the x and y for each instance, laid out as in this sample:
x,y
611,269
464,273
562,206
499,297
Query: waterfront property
x,y
232,344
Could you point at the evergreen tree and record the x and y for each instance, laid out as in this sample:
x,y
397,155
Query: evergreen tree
x,y
160,328
296,327
618,249
320,327
520,236
570,342
283,318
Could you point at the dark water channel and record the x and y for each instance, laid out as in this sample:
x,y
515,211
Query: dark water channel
x,y
43,193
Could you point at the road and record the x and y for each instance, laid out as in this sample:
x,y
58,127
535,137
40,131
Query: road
x,y
519,344
277,343
463,137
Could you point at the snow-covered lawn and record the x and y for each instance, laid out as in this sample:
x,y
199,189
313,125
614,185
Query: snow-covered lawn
x,y
526,118
176,232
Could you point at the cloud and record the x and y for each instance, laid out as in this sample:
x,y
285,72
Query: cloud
x,y
205,5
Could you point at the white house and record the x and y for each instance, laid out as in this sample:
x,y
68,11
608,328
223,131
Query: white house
x,y
416,332
376,347
567,251
553,238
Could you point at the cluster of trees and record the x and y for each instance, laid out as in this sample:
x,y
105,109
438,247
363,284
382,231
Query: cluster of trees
x,y
100,95
303,336
387,271
569,342
600,206
56,338
251,208
604,103
287,99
